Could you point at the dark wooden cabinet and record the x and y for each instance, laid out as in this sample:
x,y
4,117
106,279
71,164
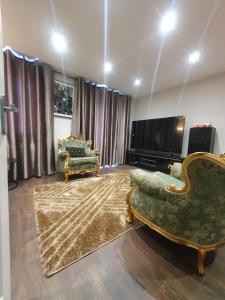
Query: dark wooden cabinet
x,y
151,161
201,139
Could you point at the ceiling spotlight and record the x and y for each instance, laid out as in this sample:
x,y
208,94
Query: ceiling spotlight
x,y
107,67
59,42
194,57
137,82
168,21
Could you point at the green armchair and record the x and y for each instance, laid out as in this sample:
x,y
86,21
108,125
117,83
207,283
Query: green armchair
x,y
187,207
76,157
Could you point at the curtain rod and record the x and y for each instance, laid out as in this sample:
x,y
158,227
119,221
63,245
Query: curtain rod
x,y
20,55
30,59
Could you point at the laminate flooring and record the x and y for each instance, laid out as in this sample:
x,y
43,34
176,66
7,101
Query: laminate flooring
x,y
138,265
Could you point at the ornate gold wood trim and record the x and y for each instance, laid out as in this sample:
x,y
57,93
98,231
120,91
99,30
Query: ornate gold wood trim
x,y
222,156
202,250
68,172
170,166
187,185
130,216
174,238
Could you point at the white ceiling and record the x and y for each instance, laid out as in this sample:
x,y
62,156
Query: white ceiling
x,y
134,39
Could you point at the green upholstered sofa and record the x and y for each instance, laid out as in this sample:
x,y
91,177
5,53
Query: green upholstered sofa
x,y
76,157
188,206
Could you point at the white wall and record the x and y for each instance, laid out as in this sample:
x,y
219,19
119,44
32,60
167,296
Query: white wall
x,y
62,126
201,101
62,129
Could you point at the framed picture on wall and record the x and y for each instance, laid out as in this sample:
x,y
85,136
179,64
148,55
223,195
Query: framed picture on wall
x,y
63,94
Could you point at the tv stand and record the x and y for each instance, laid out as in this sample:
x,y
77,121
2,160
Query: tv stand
x,y
153,161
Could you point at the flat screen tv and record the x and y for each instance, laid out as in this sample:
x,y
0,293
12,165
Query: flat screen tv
x,y
164,134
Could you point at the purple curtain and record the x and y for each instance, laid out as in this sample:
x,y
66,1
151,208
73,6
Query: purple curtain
x,y
102,115
29,85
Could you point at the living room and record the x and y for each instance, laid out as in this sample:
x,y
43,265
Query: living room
x,y
112,149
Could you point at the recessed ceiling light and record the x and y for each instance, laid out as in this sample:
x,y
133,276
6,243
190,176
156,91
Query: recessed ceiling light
x,y
168,21
107,67
194,57
137,82
59,42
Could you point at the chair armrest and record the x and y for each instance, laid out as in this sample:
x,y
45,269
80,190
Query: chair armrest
x,y
92,153
63,155
175,170
97,152
62,160
148,182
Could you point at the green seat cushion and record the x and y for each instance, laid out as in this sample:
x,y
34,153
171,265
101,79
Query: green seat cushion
x,y
154,183
169,180
76,151
77,161
83,167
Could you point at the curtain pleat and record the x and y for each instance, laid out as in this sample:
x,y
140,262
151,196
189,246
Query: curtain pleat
x,y
29,85
99,123
103,116
48,151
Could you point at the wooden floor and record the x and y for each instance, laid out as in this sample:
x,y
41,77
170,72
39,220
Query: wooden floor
x,y
139,265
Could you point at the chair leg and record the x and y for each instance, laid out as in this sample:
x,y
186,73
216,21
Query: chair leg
x,y
97,169
66,176
130,215
201,262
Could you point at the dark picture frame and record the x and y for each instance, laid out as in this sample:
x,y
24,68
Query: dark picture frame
x,y
64,96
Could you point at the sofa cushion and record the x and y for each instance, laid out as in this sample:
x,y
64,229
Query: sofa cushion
x,y
83,167
77,161
168,180
76,151
153,183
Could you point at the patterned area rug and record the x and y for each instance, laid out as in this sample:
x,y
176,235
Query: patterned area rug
x,y
75,218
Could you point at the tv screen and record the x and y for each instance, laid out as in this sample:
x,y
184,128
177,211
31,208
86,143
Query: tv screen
x,y
164,134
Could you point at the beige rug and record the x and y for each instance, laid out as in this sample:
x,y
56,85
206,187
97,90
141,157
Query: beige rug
x,y
77,218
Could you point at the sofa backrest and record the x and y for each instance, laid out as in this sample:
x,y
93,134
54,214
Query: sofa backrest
x,y
204,172
201,202
72,141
